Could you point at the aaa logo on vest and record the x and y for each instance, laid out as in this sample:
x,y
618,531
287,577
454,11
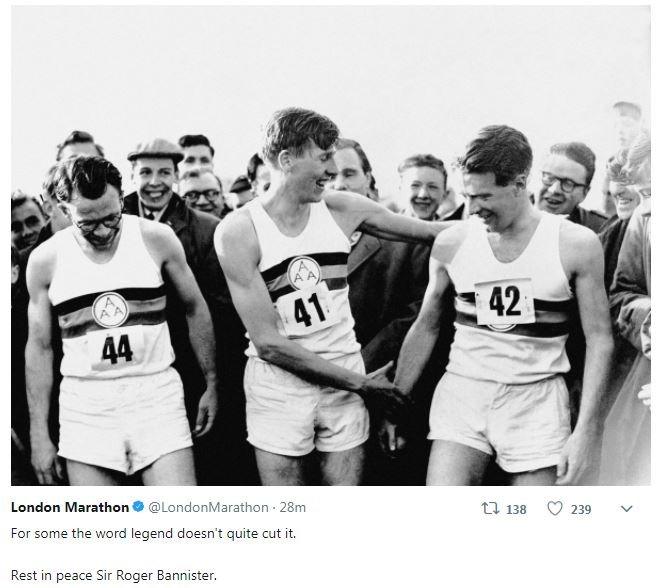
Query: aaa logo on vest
x,y
303,273
110,310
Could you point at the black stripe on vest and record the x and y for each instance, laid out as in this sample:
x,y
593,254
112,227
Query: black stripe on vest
x,y
151,317
548,305
80,302
333,258
540,330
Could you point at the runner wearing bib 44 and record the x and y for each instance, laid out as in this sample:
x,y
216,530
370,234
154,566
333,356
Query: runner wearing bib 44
x,y
511,266
121,403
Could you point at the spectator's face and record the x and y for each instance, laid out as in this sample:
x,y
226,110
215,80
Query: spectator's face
x,y
196,157
262,180
494,205
625,197
26,222
98,221
424,187
202,193
554,198
78,149
626,129
153,178
350,175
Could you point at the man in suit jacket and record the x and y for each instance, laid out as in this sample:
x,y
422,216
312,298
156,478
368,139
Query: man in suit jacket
x,y
223,456
387,280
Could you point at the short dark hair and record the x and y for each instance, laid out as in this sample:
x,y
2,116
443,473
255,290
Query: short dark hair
x,y
498,149
293,129
78,137
628,109
424,160
198,173
19,198
15,258
193,140
581,154
90,176
253,165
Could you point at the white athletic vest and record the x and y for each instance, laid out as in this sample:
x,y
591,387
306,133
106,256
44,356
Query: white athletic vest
x,y
512,318
112,315
306,277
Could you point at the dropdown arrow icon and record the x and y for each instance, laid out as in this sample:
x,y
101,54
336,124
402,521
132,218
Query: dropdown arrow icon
x,y
626,508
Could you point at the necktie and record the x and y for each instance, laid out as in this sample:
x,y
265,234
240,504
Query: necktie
x,y
149,215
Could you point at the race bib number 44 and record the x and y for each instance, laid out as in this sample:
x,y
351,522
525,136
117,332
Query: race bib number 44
x,y
110,349
307,311
503,303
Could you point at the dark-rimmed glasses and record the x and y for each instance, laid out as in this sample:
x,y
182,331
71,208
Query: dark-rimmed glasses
x,y
194,195
110,222
566,185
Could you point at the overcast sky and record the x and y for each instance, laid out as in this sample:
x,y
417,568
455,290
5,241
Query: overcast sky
x,y
399,80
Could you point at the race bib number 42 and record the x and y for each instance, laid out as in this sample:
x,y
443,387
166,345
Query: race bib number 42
x,y
505,302
307,311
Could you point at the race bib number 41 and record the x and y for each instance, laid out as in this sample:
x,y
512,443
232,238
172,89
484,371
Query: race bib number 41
x,y
503,303
307,311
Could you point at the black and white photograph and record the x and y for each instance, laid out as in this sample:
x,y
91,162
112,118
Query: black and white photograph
x,y
338,245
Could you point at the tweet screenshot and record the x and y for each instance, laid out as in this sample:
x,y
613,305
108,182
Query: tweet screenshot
x,y
332,296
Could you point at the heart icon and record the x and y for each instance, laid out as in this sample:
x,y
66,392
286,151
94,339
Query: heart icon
x,y
554,506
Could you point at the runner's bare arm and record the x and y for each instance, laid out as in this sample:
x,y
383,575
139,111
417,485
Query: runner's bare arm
x,y
357,212
38,367
238,253
583,254
162,239
421,338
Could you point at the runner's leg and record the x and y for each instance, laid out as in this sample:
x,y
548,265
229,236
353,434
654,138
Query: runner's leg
x,y
342,468
280,470
454,464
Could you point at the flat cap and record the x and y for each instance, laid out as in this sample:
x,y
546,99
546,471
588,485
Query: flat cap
x,y
157,148
241,184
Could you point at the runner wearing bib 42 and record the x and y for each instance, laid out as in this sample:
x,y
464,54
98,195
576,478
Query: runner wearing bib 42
x,y
511,266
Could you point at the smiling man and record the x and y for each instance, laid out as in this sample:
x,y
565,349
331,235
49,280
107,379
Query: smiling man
x,y
285,258
424,184
566,176
202,191
511,266
121,403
